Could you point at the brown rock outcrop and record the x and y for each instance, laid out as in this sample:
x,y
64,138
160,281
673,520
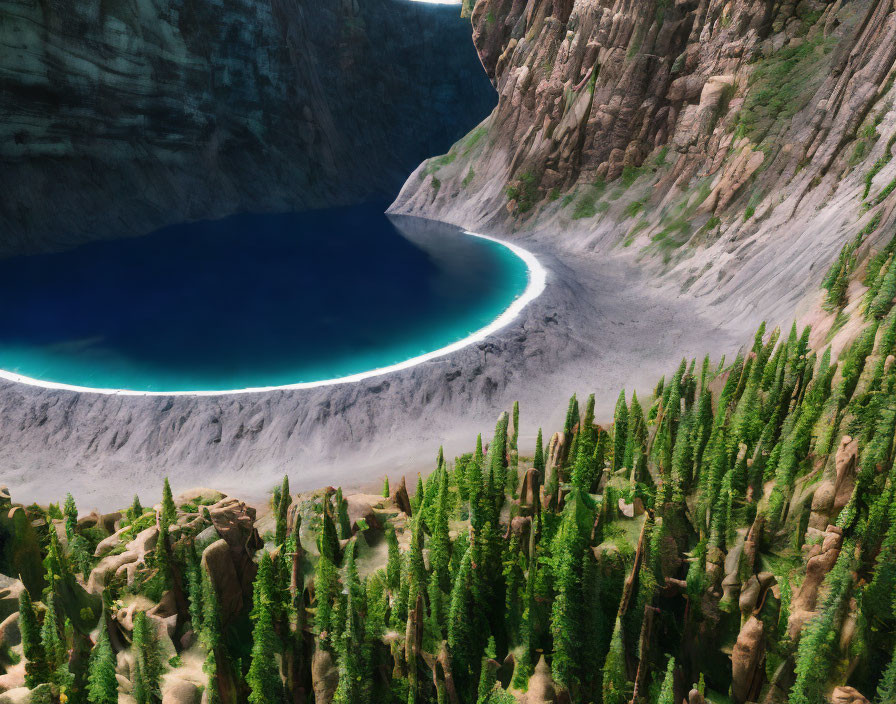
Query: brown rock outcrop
x,y
542,689
180,691
400,497
833,493
746,660
848,695
821,560
324,676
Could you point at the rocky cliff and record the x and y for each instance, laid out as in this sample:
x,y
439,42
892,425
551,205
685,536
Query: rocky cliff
x,y
731,147
120,116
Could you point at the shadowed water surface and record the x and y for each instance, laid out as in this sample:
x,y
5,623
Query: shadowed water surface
x,y
251,301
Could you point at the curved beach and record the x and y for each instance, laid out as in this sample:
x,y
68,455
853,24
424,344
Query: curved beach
x,y
596,326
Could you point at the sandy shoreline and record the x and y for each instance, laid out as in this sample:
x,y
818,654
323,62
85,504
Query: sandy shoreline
x,y
598,326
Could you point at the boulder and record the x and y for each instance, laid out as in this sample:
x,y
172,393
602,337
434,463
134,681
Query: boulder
x,y
848,695
10,635
165,613
13,678
176,690
401,499
542,689
528,496
23,695
360,507
324,676
10,591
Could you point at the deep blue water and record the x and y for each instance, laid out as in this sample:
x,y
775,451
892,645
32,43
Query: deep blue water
x,y
250,300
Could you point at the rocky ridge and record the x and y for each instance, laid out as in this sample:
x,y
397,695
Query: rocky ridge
x,y
730,148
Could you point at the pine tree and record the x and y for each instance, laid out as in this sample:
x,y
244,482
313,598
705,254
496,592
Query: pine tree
x,y
883,300
815,654
210,634
620,432
210,667
136,509
667,691
440,542
148,660
325,590
572,416
263,677
460,622
327,540
282,511
417,498
615,679
386,493
393,564
54,647
538,460
168,513
351,648
37,667
345,526
637,432
102,686
70,513
194,588
886,688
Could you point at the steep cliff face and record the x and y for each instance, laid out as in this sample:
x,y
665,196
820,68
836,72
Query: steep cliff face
x,y
118,116
709,138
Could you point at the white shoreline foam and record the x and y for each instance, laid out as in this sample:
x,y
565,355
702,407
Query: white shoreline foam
x,y
537,281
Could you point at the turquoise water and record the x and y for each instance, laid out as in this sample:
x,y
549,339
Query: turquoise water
x,y
251,301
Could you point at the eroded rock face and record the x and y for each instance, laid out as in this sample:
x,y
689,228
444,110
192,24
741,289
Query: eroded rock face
x,y
120,121
833,493
821,560
667,104
324,676
746,659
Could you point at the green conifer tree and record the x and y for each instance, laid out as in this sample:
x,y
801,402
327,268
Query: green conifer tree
x,y
168,514
667,690
615,679
102,686
538,460
70,513
440,542
282,512
147,659
327,540
620,432
37,666
263,677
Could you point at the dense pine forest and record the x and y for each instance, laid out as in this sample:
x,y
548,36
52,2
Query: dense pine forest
x,y
730,538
